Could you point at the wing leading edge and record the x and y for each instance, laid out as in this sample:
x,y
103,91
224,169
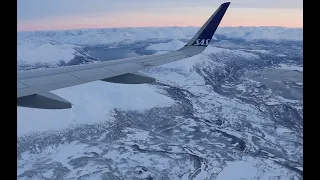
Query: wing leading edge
x,y
33,86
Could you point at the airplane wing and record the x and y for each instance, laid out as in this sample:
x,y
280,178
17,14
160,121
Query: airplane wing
x,y
33,86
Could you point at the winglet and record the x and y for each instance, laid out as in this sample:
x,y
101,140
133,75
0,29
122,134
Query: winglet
x,y
205,34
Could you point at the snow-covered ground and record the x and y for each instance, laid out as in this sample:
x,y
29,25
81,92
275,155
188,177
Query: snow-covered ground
x,y
92,103
202,119
47,53
264,33
170,46
291,67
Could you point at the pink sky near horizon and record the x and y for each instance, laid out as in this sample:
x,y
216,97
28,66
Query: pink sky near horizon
x,y
173,17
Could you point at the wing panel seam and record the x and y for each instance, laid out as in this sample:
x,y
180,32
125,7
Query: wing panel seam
x,y
76,77
23,83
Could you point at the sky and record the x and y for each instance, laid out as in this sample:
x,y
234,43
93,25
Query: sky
x,y
75,14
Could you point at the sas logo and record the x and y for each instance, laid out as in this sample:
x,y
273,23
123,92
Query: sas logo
x,y
202,42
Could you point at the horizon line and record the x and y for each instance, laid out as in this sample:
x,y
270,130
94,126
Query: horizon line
x,y
289,27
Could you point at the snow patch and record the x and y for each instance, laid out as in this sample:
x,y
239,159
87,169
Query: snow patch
x,y
283,130
138,135
259,51
48,174
263,32
291,67
32,53
238,53
170,46
271,103
238,170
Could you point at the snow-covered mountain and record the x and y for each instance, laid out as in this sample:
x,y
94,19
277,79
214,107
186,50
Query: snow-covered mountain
x,y
231,112
52,47
116,35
